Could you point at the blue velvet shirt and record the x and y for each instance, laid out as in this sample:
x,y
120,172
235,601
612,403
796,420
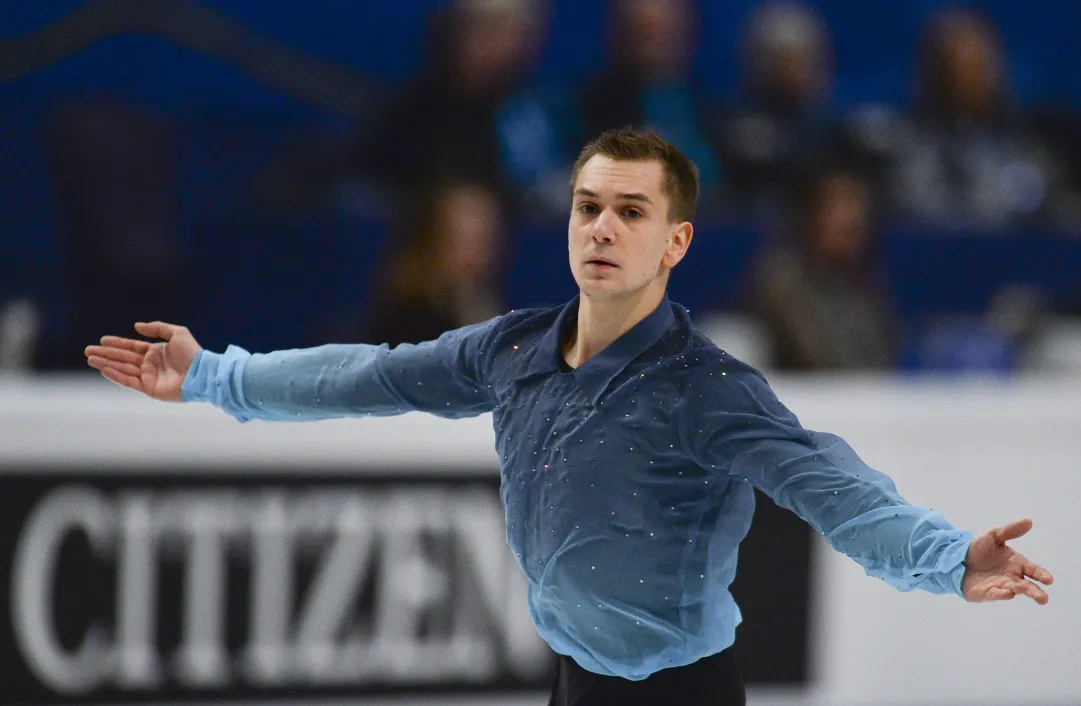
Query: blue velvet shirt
x,y
628,482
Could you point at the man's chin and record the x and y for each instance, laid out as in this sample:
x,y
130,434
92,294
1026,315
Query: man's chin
x,y
595,288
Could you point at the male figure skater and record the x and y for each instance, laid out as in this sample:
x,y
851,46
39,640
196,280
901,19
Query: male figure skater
x,y
629,446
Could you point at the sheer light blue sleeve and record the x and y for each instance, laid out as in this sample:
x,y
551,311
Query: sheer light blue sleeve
x,y
446,377
749,434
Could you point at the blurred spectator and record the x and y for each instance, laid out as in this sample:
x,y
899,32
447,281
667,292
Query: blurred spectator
x,y
1070,305
648,82
20,323
115,187
964,157
783,117
473,112
820,293
1061,128
998,340
447,274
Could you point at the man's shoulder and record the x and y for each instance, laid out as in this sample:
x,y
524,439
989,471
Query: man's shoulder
x,y
717,364
686,353
519,329
722,382
520,321
489,337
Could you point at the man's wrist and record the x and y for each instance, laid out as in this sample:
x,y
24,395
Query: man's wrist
x,y
957,579
199,381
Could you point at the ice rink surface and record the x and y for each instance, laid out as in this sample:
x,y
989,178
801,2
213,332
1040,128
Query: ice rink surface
x,y
755,697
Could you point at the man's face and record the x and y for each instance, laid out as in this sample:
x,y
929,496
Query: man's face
x,y
619,236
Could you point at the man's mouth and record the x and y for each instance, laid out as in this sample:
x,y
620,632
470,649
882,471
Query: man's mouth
x,y
600,262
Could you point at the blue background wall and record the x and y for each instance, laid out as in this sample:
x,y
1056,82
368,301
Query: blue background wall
x,y
230,127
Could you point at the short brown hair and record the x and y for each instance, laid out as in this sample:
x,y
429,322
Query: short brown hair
x,y
629,145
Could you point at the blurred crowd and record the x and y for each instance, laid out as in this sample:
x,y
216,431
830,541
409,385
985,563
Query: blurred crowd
x,y
475,142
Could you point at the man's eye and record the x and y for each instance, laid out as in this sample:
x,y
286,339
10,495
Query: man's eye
x,y
586,208
632,213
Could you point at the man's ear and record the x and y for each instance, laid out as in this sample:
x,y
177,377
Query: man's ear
x,y
678,243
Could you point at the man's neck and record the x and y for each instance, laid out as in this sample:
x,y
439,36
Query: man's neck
x,y
601,322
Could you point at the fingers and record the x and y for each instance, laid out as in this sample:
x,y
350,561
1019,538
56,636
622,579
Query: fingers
x,y
1011,531
132,382
1034,571
158,329
1000,594
101,363
1027,588
117,355
129,344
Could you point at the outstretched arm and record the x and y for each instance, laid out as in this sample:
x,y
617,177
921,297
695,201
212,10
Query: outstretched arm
x,y
858,509
445,377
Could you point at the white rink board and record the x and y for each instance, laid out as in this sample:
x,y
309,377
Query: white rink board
x,y
983,453
982,456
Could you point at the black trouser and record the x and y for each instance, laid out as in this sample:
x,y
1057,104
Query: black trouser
x,y
711,681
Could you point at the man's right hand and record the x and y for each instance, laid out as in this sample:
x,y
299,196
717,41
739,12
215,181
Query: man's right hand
x,y
155,369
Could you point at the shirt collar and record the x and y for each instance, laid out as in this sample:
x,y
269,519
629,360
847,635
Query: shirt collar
x,y
594,375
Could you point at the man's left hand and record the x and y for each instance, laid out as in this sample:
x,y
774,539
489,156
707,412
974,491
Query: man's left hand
x,y
994,572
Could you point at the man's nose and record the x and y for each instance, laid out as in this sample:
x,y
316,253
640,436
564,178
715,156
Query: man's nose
x,y
604,227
